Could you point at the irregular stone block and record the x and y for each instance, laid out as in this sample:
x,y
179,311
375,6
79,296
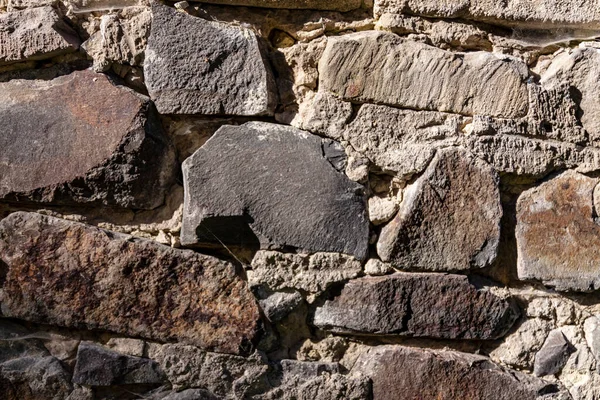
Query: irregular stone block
x,y
221,374
558,239
382,68
529,14
417,304
553,355
217,69
335,5
100,144
68,274
591,328
449,218
399,372
191,394
275,190
99,366
34,34
314,273
278,305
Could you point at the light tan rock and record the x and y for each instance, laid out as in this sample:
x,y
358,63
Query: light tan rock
x,y
339,5
382,68
381,209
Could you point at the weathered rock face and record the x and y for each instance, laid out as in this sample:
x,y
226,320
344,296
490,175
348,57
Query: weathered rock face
x,y
382,68
416,304
538,14
553,355
34,34
217,69
313,274
399,372
114,282
449,218
98,366
310,205
339,5
558,240
101,144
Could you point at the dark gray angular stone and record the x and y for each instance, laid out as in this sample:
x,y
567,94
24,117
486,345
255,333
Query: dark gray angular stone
x,y
80,139
195,66
278,305
269,185
99,366
34,34
419,305
553,355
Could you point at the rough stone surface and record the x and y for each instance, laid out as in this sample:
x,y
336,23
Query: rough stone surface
x,y
377,267
106,139
277,189
114,282
592,335
419,305
131,347
382,68
217,69
313,274
536,14
34,34
399,372
381,210
278,305
338,5
553,355
558,240
98,366
449,218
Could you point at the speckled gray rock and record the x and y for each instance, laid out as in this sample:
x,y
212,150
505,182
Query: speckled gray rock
x,y
449,218
34,34
276,189
385,69
399,372
311,273
419,305
529,14
99,366
278,305
553,355
100,144
558,239
337,5
217,69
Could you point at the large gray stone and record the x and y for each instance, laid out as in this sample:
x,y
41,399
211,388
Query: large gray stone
x,y
399,372
34,34
558,239
382,68
81,139
528,14
449,218
419,305
99,366
268,185
195,66
69,274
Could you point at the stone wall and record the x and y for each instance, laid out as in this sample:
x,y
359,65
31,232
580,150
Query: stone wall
x,y
299,199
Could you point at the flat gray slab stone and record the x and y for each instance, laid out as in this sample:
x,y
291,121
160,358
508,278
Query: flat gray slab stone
x,y
195,66
558,239
68,274
449,218
419,305
81,139
382,68
270,186
34,34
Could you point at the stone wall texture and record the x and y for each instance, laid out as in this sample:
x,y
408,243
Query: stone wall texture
x,y
300,199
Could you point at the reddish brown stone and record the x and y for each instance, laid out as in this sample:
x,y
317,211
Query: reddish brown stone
x,y
399,372
417,304
81,139
69,274
558,240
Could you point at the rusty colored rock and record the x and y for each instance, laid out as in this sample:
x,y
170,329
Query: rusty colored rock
x,y
558,240
449,219
81,139
399,372
69,274
416,304
34,34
